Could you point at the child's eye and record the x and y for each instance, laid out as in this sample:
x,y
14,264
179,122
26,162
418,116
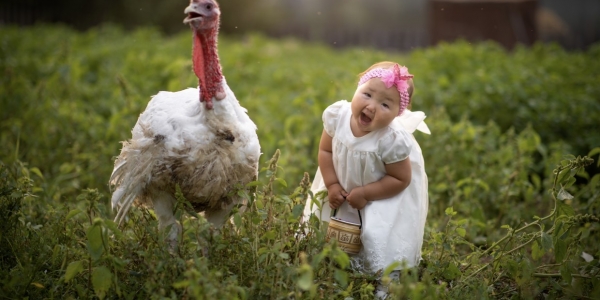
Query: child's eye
x,y
386,106
368,95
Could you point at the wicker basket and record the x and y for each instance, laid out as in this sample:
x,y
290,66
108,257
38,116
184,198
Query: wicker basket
x,y
347,234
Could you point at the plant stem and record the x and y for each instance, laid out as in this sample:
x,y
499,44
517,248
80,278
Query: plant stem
x,y
445,237
497,260
548,266
506,194
522,245
554,275
506,292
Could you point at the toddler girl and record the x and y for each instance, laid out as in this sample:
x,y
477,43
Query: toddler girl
x,y
370,161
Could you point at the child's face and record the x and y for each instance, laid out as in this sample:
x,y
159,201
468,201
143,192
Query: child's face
x,y
373,107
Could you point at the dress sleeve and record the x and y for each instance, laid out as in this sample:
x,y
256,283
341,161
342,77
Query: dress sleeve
x,y
331,117
395,147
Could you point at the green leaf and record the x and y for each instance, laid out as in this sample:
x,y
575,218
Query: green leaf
x,y
37,172
37,285
560,250
112,226
565,273
563,175
536,251
262,250
73,269
341,258
341,277
440,187
451,271
535,179
546,241
181,284
571,181
242,194
297,210
281,181
259,204
461,222
101,280
237,220
389,269
594,152
95,245
305,281
558,224
525,270
316,260
72,213
464,181
564,209
512,266
450,211
461,231
483,185
254,183
322,196
269,235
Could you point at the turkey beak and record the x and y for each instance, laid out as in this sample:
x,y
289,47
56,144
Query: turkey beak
x,y
192,14
202,14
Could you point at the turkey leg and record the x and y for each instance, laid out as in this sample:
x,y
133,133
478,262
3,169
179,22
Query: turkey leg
x,y
163,207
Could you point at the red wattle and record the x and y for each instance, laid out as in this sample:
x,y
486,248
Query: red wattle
x,y
198,66
206,66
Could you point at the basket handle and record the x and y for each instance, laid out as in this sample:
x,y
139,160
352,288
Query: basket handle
x,y
359,216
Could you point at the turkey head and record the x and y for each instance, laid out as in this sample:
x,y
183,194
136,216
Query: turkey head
x,y
203,18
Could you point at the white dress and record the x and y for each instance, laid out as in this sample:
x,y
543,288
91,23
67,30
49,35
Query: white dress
x,y
392,228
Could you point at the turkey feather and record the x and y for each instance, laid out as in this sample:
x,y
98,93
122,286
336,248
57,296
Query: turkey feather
x,y
209,153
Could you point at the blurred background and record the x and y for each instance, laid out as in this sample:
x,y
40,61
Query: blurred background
x,y
384,24
503,118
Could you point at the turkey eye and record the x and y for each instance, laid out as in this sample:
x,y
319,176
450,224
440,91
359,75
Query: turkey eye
x,y
208,6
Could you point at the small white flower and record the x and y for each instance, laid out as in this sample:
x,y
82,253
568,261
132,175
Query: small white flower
x,y
586,256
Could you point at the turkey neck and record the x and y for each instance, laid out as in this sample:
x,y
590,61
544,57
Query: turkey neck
x,y
206,64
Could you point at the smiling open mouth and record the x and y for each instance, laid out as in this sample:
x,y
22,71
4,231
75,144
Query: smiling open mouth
x,y
364,119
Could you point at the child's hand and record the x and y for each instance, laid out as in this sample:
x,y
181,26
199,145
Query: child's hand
x,y
356,198
336,195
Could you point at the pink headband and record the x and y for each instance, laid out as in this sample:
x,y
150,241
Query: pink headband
x,y
397,76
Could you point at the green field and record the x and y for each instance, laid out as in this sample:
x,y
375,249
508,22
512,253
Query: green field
x,y
512,163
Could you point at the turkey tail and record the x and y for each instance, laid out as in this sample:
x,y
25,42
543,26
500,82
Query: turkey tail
x,y
131,175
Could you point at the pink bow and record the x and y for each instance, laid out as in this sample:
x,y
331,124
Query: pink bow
x,y
397,76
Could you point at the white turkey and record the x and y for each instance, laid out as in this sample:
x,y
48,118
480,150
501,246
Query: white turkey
x,y
200,139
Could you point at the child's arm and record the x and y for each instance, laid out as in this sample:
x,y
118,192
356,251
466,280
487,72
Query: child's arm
x,y
335,191
397,178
